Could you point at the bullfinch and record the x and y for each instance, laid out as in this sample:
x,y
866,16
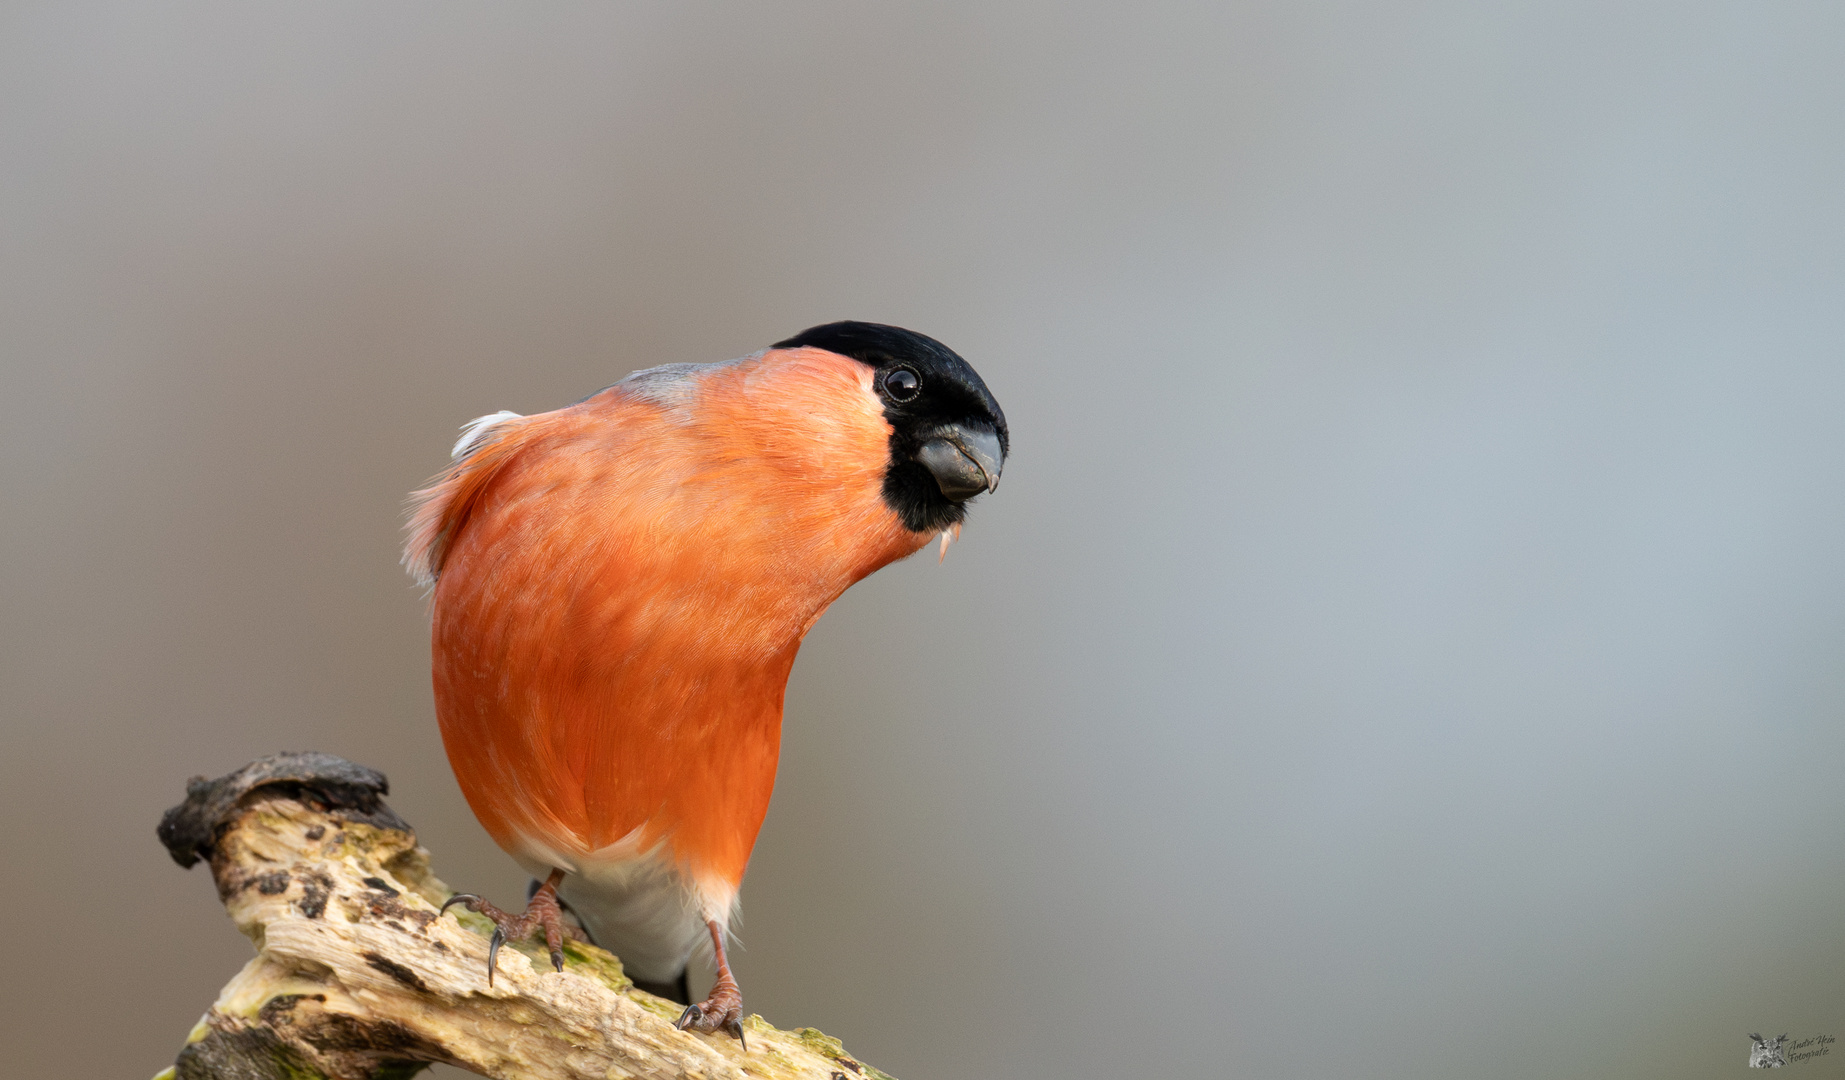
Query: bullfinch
x,y
619,588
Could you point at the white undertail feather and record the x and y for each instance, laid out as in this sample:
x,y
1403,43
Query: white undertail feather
x,y
638,903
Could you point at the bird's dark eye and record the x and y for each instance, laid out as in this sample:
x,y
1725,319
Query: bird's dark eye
x,y
903,384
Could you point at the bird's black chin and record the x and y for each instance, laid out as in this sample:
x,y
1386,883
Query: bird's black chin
x,y
913,492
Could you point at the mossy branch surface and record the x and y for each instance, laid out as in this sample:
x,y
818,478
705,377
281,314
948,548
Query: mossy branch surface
x,y
356,977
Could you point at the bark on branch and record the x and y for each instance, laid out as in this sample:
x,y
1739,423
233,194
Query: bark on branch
x,y
357,978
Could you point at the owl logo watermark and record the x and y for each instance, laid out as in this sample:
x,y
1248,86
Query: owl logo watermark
x,y
1766,1053
1778,1051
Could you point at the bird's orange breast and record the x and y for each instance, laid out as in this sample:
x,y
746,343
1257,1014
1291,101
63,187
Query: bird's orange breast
x,y
623,587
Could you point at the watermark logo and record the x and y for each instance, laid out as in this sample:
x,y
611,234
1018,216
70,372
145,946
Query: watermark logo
x,y
1778,1051
1766,1053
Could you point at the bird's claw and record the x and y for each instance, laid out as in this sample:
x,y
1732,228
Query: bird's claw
x,y
541,912
473,902
719,1012
493,951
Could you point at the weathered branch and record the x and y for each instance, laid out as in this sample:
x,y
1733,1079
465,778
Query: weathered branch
x,y
357,978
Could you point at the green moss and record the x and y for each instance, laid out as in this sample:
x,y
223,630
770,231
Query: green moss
x,y
479,925
659,1006
580,957
365,842
828,1047
586,959
821,1043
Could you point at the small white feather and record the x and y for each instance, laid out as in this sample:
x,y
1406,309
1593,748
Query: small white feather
x,y
475,432
949,535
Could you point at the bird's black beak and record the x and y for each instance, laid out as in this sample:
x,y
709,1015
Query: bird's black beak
x,y
964,460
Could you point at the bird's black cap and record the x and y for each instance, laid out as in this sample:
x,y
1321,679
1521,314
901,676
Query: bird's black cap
x,y
948,395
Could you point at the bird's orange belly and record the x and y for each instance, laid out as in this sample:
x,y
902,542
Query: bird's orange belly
x,y
574,757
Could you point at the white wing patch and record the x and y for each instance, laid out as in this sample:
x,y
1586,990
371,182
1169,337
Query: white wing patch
x,y
476,431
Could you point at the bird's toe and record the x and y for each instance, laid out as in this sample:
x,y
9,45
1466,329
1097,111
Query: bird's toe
x,y
719,1012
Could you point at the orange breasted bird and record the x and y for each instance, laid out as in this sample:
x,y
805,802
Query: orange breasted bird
x,y
619,590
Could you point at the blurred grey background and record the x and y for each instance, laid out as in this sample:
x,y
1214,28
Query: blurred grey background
x,y
1409,641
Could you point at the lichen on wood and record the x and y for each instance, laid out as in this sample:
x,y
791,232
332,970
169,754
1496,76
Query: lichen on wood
x,y
356,976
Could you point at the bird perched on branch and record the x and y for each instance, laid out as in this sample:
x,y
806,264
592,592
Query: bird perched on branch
x,y
620,587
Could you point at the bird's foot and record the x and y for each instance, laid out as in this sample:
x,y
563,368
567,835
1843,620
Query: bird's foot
x,y
541,912
722,1011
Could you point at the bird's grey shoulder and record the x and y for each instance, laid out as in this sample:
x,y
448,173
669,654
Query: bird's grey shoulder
x,y
670,385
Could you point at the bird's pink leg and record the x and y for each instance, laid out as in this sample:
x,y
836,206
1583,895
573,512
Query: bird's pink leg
x,y
723,1009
